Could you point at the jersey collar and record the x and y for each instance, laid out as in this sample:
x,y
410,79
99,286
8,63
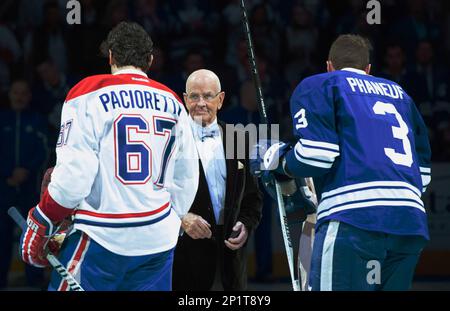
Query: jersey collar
x,y
130,71
362,72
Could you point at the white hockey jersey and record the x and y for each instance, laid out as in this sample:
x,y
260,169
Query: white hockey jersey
x,y
126,162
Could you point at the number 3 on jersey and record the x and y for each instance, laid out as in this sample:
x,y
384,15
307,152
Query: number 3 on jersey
x,y
133,157
400,132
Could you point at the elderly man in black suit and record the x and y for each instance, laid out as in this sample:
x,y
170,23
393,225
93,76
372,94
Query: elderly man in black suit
x,y
211,253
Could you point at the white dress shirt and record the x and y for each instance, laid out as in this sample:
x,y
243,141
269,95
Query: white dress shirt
x,y
210,150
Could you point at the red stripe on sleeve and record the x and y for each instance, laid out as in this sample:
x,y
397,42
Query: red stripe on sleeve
x,y
54,211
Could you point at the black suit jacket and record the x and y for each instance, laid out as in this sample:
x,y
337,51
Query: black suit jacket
x,y
195,260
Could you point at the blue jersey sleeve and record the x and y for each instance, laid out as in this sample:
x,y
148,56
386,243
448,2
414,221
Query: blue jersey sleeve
x,y
423,149
312,109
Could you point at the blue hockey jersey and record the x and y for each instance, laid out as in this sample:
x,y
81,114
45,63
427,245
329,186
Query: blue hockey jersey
x,y
364,135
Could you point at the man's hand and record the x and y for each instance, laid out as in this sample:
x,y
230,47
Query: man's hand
x,y
34,240
196,227
239,241
46,180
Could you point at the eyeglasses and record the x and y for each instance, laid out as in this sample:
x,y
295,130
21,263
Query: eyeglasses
x,y
194,97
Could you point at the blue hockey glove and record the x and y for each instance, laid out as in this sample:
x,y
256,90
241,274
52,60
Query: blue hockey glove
x,y
299,204
298,199
266,162
266,155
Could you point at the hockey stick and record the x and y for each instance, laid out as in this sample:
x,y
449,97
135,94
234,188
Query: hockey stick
x,y
56,264
264,119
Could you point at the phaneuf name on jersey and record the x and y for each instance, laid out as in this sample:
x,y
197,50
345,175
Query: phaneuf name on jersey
x,y
132,99
371,87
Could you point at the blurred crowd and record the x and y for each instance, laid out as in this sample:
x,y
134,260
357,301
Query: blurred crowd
x,y
42,57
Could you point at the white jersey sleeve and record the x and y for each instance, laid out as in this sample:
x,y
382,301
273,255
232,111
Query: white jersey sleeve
x,y
77,154
183,182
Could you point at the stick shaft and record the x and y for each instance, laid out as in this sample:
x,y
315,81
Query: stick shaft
x,y
254,68
264,119
286,237
17,217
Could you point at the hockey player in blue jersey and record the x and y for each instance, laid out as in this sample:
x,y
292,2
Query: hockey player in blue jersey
x,y
365,139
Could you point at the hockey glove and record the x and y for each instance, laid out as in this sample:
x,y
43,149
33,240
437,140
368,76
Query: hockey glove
x,y
269,167
297,197
40,237
267,155
300,203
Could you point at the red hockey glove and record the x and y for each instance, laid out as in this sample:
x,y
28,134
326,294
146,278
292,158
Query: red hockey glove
x,y
34,240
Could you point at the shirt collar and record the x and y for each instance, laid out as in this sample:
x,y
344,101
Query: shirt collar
x,y
361,72
200,130
199,126
130,71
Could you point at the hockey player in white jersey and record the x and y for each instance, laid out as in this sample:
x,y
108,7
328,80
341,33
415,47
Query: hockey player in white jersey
x,y
126,171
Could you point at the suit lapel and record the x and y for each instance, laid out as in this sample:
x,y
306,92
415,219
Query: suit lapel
x,y
203,198
231,169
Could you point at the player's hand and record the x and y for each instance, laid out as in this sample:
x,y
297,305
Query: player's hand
x,y
33,242
238,241
266,156
196,227
257,155
46,180
55,243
